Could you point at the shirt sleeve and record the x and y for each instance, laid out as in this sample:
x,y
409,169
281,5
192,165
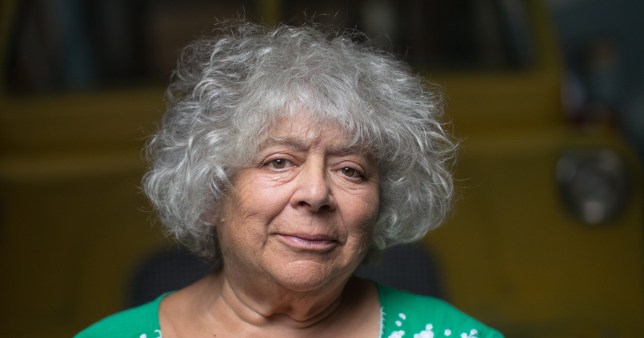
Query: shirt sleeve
x,y
409,315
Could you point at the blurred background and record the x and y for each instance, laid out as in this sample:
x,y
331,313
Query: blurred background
x,y
547,98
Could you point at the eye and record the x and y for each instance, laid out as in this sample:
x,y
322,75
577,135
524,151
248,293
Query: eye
x,y
351,172
279,163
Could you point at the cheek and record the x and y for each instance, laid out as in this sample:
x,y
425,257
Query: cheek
x,y
254,190
250,210
362,213
371,204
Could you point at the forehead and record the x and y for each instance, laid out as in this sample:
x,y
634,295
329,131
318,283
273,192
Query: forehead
x,y
301,131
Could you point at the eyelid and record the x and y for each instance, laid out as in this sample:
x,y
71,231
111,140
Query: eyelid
x,y
358,175
290,161
360,171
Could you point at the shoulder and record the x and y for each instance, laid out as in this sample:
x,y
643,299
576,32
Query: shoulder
x,y
424,316
138,322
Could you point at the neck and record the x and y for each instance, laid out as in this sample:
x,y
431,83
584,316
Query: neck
x,y
266,303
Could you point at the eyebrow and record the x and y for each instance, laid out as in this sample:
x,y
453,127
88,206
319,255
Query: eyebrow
x,y
291,142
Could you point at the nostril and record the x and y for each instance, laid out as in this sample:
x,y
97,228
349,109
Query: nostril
x,y
303,204
324,208
321,206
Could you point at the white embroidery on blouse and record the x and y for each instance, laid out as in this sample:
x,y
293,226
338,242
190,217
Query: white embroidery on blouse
x,y
428,332
143,335
382,322
397,334
472,334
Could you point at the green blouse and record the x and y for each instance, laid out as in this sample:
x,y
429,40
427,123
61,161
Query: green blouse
x,y
403,314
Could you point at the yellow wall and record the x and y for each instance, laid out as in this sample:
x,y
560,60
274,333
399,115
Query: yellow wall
x,y
73,221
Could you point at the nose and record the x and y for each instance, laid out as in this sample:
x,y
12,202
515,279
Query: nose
x,y
313,190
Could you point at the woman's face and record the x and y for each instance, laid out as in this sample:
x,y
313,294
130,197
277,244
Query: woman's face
x,y
302,214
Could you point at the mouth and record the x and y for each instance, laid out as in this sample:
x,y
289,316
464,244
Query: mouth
x,y
308,242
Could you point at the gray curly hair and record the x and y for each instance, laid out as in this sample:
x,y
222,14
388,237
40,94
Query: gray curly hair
x,y
228,90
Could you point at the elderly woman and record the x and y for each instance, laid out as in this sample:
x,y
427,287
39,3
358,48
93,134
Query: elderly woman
x,y
288,158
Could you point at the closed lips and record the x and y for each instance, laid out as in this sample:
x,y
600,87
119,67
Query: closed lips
x,y
309,241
